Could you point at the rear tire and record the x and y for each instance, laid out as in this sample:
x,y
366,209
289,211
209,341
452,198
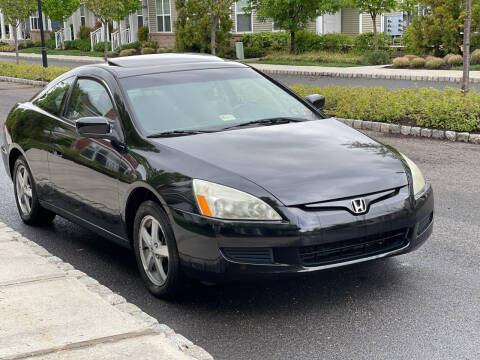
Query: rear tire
x,y
29,208
156,251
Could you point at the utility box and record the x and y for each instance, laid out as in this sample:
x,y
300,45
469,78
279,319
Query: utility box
x,y
394,25
239,50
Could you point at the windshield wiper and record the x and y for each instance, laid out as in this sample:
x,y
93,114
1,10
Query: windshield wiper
x,y
178,133
269,121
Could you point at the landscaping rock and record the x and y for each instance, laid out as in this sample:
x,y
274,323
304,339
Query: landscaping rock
x,y
367,125
406,130
474,138
395,129
376,126
426,132
348,122
438,134
385,128
451,135
463,136
357,124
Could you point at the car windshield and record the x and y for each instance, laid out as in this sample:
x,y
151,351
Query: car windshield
x,y
208,99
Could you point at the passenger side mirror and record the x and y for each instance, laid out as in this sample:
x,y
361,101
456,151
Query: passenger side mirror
x,y
316,100
93,127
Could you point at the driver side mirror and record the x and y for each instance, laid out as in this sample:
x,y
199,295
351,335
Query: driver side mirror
x,y
316,100
94,127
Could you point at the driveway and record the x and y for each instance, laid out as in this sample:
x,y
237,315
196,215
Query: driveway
x,y
423,305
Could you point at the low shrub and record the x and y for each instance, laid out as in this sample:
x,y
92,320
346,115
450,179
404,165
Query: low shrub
x,y
337,42
475,57
37,44
434,63
128,52
271,41
401,62
380,57
24,45
226,52
150,44
82,45
164,50
254,52
410,57
142,33
315,58
7,48
455,60
135,45
112,54
417,63
428,107
84,32
147,51
50,44
100,46
31,71
306,41
365,42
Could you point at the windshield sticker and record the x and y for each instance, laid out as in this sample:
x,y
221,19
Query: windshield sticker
x,y
227,117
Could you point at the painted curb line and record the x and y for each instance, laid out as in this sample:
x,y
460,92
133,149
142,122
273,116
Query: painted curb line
x,y
115,300
412,131
23,81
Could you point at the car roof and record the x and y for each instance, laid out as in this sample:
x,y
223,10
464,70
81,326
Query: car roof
x,y
160,63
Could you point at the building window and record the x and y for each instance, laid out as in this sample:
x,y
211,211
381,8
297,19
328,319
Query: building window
x,y
243,20
164,19
275,27
140,15
34,21
83,20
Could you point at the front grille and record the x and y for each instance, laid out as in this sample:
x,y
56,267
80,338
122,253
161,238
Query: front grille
x,y
424,224
249,255
352,249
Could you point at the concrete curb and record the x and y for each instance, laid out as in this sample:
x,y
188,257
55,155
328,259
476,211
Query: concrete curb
x,y
23,81
414,131
151,324
83,59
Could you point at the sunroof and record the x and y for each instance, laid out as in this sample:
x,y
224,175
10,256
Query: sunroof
x,y
161,59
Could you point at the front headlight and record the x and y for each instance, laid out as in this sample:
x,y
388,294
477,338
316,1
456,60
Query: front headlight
x,y
223,202
418,180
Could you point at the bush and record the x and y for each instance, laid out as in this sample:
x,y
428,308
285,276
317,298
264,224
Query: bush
x,y
147,51
100,46
417,62
401,62
112,54
150,44
128,52
254,52
164,50
434,63
272,41
142,33
7,48
135,45
336,42
444,109
314,57
226,52
475,57
23,45
380,57
411,57
84,32
31,71
365,41
306,41
455,60
82,45
50,44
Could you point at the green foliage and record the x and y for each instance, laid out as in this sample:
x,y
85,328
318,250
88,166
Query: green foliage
x,y
379,57
365,41
82,45
401,62
135,45
60,10
308,41
84,32
434,63
7,48
475,57
112,54
454,60
194,24
444,109
31,71
254,52
164,51
142,33
50,44
100,46
128,52
227,53
147,51
315,58
150,44
417,63
271,41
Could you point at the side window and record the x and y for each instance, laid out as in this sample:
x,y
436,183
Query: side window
x,y
52,99
90,98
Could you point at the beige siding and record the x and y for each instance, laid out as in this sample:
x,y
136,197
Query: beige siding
x,y
312,26
367,23
152,15
260,26
350,21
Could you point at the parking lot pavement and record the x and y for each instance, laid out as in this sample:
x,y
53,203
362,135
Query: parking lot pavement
x,y
422,305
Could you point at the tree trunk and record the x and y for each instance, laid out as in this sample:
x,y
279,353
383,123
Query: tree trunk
x,y
62,37
292,42
24,28
15,39
213,45
119,35
466,47
105,40
375,35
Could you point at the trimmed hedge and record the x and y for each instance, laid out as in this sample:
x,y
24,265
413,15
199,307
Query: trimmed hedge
x,y
31,71
445,109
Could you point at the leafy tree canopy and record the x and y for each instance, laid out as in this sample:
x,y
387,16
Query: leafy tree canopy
x,y
60,10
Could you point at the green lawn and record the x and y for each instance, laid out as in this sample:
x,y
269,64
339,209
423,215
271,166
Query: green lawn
x,y
317,58
472,67
38,50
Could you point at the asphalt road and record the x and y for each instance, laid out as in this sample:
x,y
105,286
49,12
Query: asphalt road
x,y
423,305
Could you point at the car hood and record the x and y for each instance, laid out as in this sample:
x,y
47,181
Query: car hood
x,y
300,163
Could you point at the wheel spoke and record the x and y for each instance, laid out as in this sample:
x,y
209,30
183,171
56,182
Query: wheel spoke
x,y
26,201
161,251
147,239
28,192
154,232
25,178
160,269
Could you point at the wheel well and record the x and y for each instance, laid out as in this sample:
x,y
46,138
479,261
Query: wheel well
x,y
14,155
136,198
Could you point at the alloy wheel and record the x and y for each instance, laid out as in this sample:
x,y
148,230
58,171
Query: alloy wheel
x,y
23,185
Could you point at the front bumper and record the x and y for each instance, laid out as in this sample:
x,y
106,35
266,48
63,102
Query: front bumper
x,y
310,241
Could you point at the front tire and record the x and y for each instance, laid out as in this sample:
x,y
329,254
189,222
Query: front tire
x,y
29,208
156,251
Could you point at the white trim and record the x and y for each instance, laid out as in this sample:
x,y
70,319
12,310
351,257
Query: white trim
x,y
360,24
157,15
382,23
236,22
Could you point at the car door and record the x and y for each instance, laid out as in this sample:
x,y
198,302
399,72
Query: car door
x,y
85,171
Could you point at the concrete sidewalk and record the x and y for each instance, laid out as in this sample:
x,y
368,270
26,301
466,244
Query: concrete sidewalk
x,y
82,59
49,311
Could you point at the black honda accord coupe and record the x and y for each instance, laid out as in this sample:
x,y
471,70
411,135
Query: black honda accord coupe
x,y
210,169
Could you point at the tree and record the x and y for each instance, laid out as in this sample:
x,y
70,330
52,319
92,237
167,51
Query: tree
x,y
203,25
60,10
109,10
15,12
294,15
122,10
375,8
466,46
